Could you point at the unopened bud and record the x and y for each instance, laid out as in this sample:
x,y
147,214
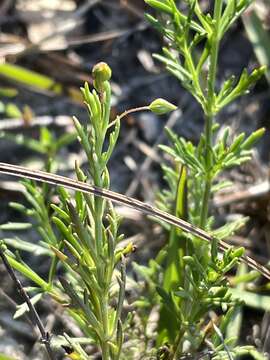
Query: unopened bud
x,y
161,106
101,72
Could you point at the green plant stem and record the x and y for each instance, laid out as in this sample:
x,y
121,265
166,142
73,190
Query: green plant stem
x,y
103,299
127,112
210,111
205,203
52,270
98,226
105,317
100,274
208,177
192,69
178,346
215,39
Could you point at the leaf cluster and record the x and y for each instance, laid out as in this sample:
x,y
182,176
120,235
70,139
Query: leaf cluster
x,y
226,153
191,37
79,233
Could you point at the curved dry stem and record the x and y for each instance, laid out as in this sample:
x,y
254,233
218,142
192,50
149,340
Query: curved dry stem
x,y
44,177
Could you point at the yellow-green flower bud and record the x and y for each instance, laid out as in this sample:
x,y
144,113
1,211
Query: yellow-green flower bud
x,y
101,72
161,106
212,276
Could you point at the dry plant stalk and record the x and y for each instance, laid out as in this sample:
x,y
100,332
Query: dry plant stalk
x,y
44,177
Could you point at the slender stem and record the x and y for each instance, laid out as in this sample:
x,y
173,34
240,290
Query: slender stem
x,y
104,311
98,214
103,299
127,112
192,69
52,270
205,203
45,337
208,177
215,40
178,345
210,111
98,225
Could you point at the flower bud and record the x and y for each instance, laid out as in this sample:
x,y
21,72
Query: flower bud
x,y
212,276
161,106
101,72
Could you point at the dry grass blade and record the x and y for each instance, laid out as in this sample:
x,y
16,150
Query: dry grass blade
x,y
53,179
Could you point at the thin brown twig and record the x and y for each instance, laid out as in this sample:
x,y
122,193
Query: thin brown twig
x,y
105,35
133,9
15,305
41,176
45,336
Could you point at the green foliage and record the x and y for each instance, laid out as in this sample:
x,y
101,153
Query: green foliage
x,y
79,234
193,275
82,233
193,41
